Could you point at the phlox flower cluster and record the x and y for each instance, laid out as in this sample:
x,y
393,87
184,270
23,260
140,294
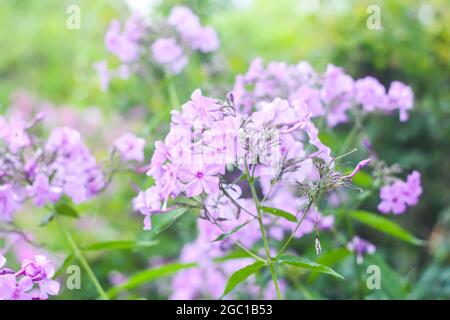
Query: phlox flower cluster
x,y
43,170
166,43
211,152
332,94
211,142
360,247
33,281
399,195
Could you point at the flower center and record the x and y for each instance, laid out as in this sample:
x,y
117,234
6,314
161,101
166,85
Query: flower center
x,y
199,175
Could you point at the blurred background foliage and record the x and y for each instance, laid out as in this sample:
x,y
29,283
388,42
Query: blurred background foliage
x,y
53,63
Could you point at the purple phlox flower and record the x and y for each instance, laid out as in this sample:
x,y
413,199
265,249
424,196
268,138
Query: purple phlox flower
x,y
168,53
311,97
116,278
400,194
200,177
8,203
184,21
255,69
413,188
160,156
188,25
15,134
392,198
337,90
41,270
147,203
205,40
200,110
38,269
370,93
125,44
358,167
336,84
76,170
42,192
130,147
281,113
401,97
63,139
360,247
11,289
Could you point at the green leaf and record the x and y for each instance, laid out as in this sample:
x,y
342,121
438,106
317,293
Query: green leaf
x,y
241,275
384,225
119,245
307,264
161,222
329,258
279,213
65,209
229,233
147,276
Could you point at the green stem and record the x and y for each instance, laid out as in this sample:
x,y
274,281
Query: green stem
x,y
291,237
350,231
263,235
174,101
173,96
349,139
248,251
79,255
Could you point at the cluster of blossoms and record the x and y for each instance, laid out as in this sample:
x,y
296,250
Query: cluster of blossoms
x,y
397,196
167,43
45,170
360,247
331,95
21,284
210,144
209,157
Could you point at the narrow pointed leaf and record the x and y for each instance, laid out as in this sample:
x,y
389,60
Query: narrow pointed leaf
x,y
119,245
329,258
229,233
241,275
279,213
307,264
384,225
161,222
